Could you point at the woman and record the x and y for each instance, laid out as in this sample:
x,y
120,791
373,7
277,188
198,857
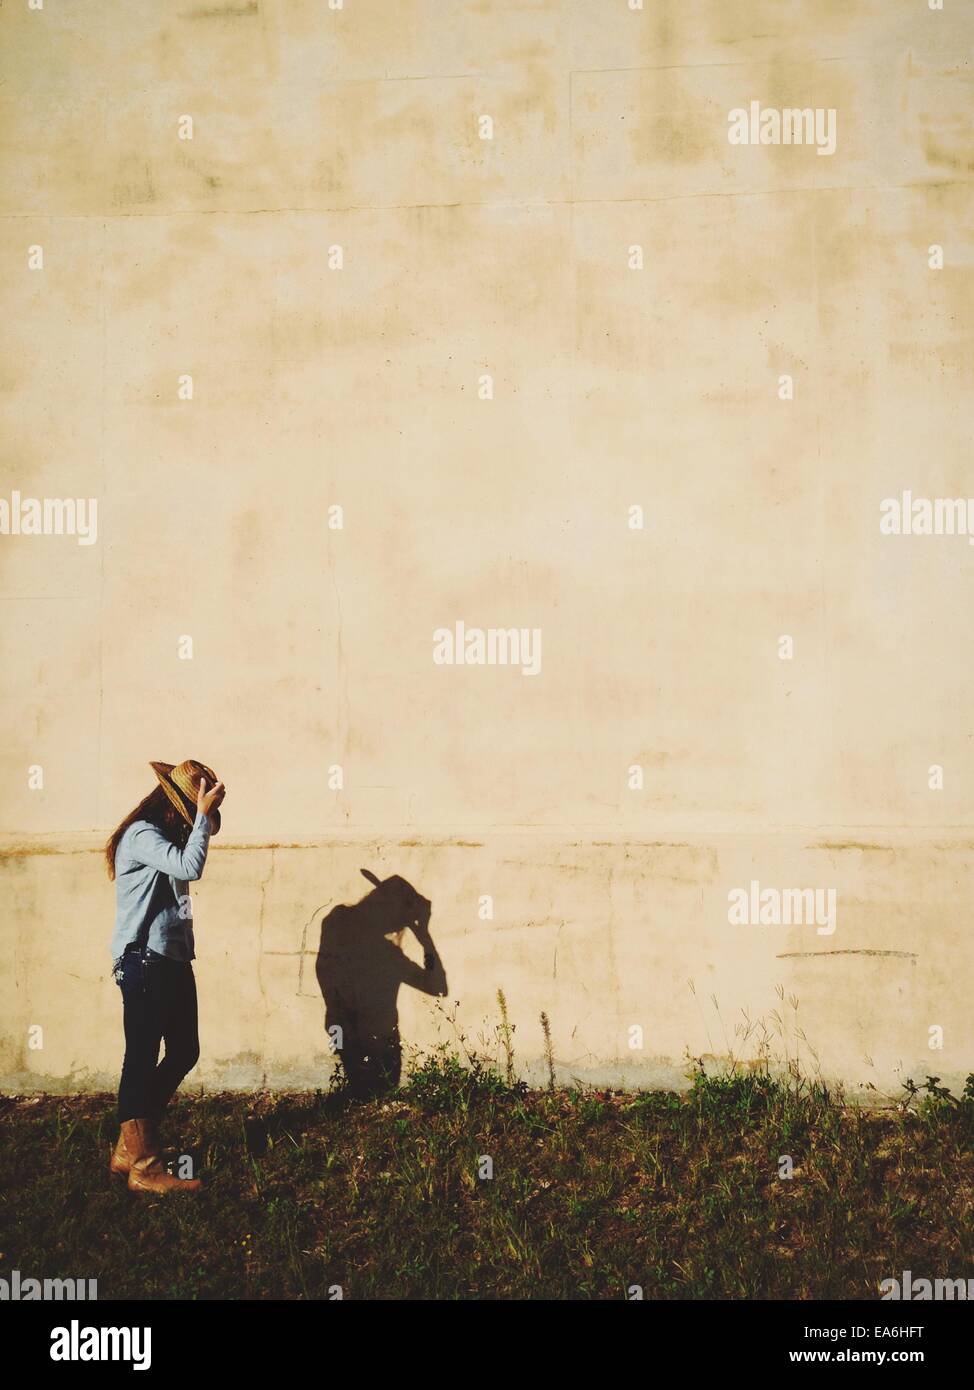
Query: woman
x,y
153,856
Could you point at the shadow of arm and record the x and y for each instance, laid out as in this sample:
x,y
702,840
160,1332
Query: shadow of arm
x,y
428,979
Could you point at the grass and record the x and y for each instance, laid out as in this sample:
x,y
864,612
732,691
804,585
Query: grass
x,y
592,1192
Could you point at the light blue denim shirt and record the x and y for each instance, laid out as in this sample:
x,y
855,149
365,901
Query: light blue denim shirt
x,y
152,878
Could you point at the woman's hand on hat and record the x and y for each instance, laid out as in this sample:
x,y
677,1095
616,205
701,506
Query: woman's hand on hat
x,y
208,801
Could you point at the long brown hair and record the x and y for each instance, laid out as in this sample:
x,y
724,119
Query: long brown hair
x,y
159,811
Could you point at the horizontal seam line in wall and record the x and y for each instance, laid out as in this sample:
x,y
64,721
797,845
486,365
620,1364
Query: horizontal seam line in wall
x,y
920,184
808,955
554,70
570,836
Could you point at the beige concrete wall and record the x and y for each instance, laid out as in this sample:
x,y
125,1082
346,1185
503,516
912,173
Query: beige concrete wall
x,y
613,387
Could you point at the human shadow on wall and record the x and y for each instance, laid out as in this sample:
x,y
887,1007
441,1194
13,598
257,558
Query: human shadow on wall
x,y
359,971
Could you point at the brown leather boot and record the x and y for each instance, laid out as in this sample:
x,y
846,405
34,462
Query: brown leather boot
x,y
147,1172
121,1159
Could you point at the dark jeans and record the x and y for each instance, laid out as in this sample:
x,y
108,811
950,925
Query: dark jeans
x,y
159,1004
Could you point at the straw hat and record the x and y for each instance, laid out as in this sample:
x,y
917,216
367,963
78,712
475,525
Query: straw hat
x,y
181,785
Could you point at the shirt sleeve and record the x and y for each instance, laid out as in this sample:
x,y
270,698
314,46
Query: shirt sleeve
x,y
150,847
